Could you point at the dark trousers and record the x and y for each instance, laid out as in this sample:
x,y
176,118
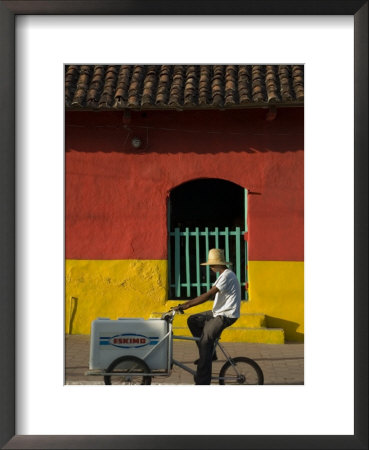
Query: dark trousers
x,y
208,328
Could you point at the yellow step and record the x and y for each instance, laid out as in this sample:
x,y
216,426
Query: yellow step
x,y
248,328
243,334
251,321
248,320
245,320
203,307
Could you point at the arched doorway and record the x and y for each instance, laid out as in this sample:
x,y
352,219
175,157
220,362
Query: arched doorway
x,y
202,214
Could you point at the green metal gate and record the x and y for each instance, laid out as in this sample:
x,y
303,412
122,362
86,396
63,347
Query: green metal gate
x,y
188,248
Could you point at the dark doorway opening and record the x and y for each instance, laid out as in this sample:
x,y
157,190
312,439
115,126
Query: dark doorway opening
x,y
203,214
207,202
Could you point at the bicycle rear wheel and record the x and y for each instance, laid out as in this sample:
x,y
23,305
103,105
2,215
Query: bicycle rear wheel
x,y
124,367
241,370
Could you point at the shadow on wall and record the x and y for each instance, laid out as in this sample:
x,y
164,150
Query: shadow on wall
x,y
200,132
72,313
289,328
92,139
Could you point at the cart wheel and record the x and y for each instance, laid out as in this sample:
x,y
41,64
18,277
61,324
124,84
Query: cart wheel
x,y
241,371
123,366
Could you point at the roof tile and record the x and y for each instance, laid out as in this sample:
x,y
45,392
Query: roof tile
x,y
191,86
109,87
182,86
162,93
204,85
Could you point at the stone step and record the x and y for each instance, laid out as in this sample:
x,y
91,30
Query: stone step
x,y
203,307
243,334
248,328
245,320
254,320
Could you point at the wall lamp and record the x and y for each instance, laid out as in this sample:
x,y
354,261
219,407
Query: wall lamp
x,y
136,142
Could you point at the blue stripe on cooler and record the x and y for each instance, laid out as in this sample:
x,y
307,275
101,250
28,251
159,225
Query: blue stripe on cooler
x,y
104,340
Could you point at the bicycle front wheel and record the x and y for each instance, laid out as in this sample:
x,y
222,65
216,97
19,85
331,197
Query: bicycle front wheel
x,y
241,370
128,370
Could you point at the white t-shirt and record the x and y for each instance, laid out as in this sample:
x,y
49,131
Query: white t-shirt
x,y
228,300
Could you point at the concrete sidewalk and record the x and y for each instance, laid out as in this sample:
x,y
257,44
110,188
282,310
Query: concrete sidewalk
x,y
281,363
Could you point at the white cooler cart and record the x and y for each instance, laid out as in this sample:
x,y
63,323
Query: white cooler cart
x,y
130,350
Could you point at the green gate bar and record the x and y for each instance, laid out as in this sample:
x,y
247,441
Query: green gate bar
x,y
198,280
246,273
226,249
177,262
206,256
238,253
216,237
183,263
188,281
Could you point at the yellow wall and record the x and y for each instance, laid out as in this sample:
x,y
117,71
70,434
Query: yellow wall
x,y
126,288
276,289
138,288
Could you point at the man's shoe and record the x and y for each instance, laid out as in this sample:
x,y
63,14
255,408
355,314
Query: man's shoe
x,y
215,358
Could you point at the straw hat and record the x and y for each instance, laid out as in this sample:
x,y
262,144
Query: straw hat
x,y
216,258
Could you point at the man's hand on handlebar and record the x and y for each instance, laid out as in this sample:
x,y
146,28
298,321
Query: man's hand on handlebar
x,y
169,316
177,308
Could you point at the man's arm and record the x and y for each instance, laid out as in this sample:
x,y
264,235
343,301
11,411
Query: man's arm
x,y
198,300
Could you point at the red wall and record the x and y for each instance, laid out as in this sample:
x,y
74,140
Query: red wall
x,y
116,196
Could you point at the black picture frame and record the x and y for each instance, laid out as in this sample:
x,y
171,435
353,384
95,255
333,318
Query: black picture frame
x,y
8,11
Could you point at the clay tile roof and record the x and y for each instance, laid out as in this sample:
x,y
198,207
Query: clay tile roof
x,y
182,86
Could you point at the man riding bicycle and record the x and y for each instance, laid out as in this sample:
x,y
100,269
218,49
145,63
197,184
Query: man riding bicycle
x,y
208,325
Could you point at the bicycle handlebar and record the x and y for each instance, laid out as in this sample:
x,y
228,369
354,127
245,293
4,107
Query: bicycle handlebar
x,y
169,315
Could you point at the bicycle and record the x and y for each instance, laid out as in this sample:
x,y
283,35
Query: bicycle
x,y
130,369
